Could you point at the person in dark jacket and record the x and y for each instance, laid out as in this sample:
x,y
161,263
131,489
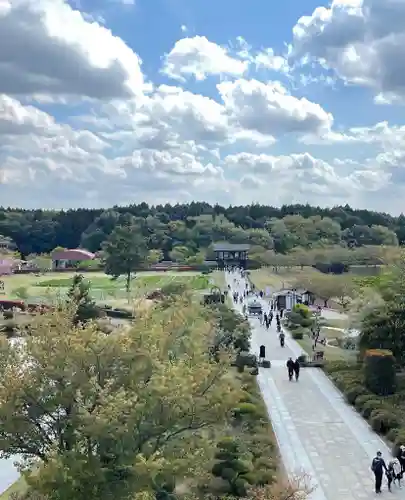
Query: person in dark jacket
x,y
378,467
290,368
297,369
401,458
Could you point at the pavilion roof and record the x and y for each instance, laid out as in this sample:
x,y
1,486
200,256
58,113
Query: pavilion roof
x,y
230,247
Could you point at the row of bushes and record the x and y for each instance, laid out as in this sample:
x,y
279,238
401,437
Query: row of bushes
x,y
248,456
382,412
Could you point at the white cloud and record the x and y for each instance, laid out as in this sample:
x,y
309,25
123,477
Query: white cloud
x,y
79,126
362,40
46,47
270,110
198,57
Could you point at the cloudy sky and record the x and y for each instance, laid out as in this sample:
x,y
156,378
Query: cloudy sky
x,y
107,102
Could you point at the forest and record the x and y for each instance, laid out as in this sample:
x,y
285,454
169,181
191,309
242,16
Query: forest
x,y
196,225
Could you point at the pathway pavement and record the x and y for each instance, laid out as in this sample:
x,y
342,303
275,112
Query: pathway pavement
x,y
317,432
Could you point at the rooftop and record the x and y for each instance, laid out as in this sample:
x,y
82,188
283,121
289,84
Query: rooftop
x,y
230,247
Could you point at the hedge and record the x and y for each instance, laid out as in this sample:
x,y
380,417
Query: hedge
x,y
361,400
250,455
382,421
354,392
379,371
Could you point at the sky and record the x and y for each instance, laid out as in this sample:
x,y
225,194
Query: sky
x,y
113,102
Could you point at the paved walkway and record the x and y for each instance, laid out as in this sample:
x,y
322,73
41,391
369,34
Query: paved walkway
x,y
317,432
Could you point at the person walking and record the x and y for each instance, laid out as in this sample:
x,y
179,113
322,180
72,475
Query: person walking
x,y
297,369
378,467
290,368
401,457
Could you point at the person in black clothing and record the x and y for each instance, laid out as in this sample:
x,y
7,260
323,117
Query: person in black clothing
x,y
378,467
401,458
290,368
297,369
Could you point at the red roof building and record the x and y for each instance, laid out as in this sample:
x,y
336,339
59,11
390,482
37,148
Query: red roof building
x,y
65,258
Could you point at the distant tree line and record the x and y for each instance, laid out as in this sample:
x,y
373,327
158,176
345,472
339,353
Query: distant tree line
x,y
187,229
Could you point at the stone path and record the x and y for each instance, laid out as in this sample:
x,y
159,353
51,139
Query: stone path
x,y
317,432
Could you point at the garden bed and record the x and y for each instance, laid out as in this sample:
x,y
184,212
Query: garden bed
x,y
385,414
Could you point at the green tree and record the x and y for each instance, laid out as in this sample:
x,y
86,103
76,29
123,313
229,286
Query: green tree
x,y
384,326
154,257
103,415
84,307
180,254
124,252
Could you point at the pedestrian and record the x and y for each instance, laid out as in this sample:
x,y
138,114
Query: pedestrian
x,y
265,319
290,368
281,313
401,457
378,467
297,369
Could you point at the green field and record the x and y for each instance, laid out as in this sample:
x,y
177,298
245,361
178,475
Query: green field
x,y
103,288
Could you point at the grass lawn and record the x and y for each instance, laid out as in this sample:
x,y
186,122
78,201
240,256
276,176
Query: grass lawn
x,y
336,322
283,278
331,353
20,486
103,288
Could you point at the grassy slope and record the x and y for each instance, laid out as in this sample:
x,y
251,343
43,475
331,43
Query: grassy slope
x,y
19,486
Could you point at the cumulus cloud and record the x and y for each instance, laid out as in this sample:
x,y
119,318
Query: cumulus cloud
x,y
362,40
80,127
200,58
269,109
48,48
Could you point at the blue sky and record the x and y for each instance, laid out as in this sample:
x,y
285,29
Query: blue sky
x,y
108,102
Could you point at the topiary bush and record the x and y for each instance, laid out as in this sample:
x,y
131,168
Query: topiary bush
x,y
361,400
231,467
392,434
340,366
370,406
382,421
379,371
297,335
354,392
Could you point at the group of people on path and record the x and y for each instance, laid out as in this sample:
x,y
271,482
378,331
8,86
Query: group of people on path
x,y
394,471
293,368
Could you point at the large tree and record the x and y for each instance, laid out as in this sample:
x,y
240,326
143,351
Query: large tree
x,y
384,326
105,415
124,252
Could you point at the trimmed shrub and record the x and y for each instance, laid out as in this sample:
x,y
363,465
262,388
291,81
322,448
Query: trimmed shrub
x,y
246,359
297,335
339,366
379,371
383,420
354,392
247,411
392,434
370,406
362,400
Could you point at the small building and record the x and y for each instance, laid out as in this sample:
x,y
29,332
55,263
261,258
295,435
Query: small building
x,y
229,254
65,259
287,299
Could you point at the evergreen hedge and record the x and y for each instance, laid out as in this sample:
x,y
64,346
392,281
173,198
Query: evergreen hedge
x,y
379,371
